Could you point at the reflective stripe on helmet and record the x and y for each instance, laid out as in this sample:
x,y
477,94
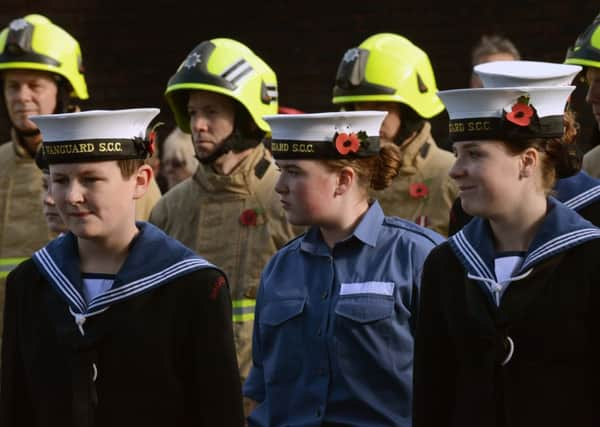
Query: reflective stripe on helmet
x,y
586,51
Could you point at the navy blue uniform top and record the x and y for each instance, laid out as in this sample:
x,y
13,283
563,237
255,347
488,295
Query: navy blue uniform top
x,y
333,333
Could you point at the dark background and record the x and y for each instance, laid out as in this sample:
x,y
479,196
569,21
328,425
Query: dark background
x,y
131,48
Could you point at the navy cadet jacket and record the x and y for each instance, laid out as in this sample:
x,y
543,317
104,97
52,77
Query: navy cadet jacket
x,y
333,335
155,350
532,359
579,192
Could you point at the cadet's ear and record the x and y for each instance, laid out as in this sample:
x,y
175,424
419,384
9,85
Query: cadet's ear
x,y
529,160
142,177
346,178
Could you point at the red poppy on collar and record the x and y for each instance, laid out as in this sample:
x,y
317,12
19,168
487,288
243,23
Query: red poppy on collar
x,y
521,113
418,190
347,143
250,217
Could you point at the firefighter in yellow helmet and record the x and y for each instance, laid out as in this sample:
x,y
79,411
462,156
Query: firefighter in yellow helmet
x,y
388,72
228,210
586,52
41,73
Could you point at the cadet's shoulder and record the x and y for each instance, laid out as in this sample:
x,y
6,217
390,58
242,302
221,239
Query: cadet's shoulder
x,y
204,284
292,245
286,252
412,231
24,275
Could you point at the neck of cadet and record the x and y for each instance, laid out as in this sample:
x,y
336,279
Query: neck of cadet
x,y
350,212
514,231
107,254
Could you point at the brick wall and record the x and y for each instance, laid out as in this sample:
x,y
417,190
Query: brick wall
x,y
132,47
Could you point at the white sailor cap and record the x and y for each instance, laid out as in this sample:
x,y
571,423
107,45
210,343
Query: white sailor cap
x,y
525,73
338,135
98,135
506,113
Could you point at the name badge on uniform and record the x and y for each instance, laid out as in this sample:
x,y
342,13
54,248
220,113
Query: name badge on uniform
x,y
377,288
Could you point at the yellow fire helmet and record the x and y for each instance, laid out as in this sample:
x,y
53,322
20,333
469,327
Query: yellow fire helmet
x,y
35,43
227,67
586,51
388,67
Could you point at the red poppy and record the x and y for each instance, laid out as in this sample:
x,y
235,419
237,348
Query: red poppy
x,y
151,142
418,190
521,114
249,217
347,143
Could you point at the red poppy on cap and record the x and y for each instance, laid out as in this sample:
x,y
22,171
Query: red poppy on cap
x,y
520,114
347,143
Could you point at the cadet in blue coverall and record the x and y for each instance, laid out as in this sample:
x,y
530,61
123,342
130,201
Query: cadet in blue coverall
x,y
333,334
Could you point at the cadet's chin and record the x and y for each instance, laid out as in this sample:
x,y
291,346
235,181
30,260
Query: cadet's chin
x,y
295,220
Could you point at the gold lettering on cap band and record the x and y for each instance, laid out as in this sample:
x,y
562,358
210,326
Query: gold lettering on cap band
x,y
110,147
94,150
68,149
303,148
284,147
280,147
470,126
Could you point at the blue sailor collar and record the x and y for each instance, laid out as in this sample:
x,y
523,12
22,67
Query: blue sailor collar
x,y
578,191
154,260
366,231
561,230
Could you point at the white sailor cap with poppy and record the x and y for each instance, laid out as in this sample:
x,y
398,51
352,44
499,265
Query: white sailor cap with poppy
x,y
525,73
335,135
533,108
99,135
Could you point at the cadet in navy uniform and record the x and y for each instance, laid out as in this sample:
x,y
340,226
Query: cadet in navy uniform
x,y
580,191
509,312
335,313
114,323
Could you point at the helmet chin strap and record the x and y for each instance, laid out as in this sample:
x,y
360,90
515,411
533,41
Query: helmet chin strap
x,y
22,134
234,142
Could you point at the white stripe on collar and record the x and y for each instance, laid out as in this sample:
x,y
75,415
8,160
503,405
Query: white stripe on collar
x,y
101,302
471,255
558,243
140,285
583,198
61,281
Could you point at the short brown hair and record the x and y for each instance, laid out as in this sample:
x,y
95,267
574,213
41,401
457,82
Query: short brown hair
x,y
129,166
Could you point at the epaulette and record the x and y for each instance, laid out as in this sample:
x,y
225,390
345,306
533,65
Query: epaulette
x,y
411,227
